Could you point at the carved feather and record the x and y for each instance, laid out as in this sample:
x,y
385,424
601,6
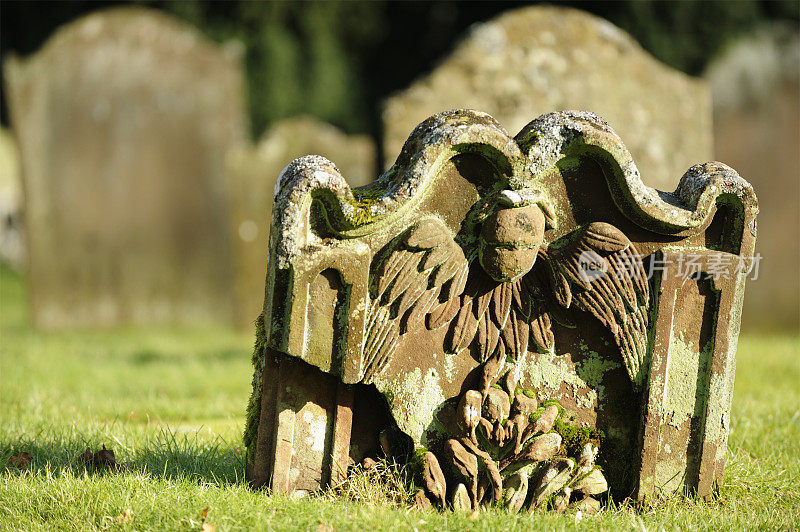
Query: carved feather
x,y
410,297
453,287
380,341
392,268
413,319
419,274
464,326
488,337
443,313
515,335
541,333
484,291
545,273
501,304
522,299
601,236
616,294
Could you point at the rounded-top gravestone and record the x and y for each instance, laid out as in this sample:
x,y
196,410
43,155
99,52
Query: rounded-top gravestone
x,y
123,120
534,60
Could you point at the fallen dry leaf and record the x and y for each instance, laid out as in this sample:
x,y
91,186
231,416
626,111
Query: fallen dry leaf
x,y
102,460
125,517
204,514
86,458
21,460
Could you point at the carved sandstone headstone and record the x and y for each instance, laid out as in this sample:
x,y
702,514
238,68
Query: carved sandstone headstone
x,y
123,119
512,312
252,172
538,59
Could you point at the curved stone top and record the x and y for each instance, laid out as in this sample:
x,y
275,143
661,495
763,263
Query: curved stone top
x,y
526,159
134,49
556,135
136,27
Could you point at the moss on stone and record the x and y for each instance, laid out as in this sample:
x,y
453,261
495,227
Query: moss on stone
x,y
687,380
575,438
254,405
416,467
362,212
542,405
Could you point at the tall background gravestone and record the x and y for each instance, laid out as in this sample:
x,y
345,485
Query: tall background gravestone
x,y
123,121
538,59
253,171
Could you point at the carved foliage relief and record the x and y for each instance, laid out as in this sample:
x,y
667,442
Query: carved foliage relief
x,y
499,301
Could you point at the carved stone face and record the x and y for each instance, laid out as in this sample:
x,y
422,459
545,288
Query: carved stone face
x,y
511,235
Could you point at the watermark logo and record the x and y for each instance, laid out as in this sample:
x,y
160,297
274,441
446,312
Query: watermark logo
x,y
591,266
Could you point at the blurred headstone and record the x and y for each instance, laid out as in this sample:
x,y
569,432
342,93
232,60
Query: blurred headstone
x,y
123,120
534,60
756,89
252,173
12,242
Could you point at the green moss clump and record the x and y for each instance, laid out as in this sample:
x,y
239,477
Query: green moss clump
x,y
574,438
537,414
415,467
254,405
361,214
529,393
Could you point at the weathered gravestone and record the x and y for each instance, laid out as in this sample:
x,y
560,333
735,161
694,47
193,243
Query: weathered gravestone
x,y
504,312
123,120
252,172
538,59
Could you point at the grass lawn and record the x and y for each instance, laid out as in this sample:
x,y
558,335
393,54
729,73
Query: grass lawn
x,y
170,403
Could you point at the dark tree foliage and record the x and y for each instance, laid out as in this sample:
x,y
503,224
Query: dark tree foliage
x,y
338,59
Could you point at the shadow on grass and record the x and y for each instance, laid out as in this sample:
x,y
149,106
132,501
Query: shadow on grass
x,y
145,357
167,455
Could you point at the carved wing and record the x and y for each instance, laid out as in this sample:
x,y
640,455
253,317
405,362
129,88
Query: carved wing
x,y
499,318
600,272
419,280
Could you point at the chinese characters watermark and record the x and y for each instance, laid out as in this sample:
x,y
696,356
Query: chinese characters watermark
x,y
685,265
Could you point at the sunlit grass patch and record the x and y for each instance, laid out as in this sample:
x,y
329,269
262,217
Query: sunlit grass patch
x,y
171,404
